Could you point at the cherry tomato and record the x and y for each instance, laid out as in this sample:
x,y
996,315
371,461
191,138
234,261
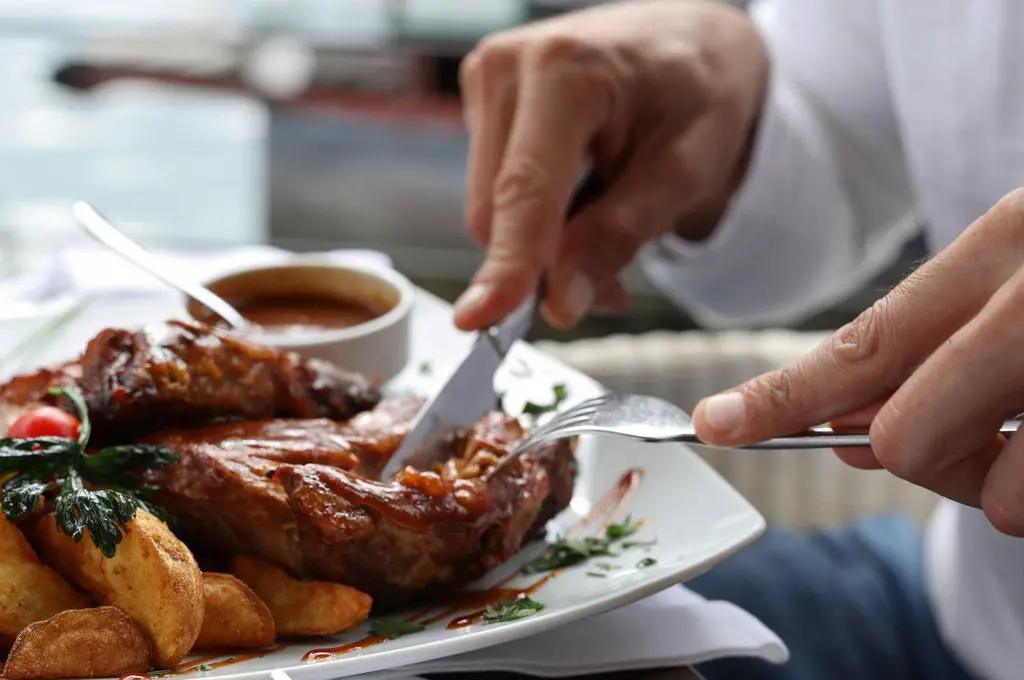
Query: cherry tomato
x,y
45,421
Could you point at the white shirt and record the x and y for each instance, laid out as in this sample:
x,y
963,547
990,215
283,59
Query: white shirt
x,y
881,115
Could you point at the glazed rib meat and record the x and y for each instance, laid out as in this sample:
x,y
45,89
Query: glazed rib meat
x,y
303,494
280,457
184,373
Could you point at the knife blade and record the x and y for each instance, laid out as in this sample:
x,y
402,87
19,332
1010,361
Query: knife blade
x,y
468,394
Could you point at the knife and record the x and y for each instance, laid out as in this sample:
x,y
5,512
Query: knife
x,y
469,393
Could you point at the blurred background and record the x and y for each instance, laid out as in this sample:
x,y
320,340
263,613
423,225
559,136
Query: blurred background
x,y
319,124
309,124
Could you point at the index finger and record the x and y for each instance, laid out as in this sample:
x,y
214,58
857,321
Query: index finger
x,y
556,117
872,356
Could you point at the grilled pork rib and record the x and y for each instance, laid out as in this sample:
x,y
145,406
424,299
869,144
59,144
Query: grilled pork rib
x,y
180,374
280,457
304,494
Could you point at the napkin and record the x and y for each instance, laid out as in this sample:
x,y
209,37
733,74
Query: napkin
x,y
675,627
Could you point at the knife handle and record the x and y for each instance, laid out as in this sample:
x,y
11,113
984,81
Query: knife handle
x,y
589,189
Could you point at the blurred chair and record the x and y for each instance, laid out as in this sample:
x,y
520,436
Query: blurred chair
x,y
808,488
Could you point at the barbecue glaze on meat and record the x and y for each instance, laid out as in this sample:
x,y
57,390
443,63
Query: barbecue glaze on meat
x,y
304,494
280,457
180,374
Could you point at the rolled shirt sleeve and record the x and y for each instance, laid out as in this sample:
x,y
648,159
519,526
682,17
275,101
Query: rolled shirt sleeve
x,y
826,202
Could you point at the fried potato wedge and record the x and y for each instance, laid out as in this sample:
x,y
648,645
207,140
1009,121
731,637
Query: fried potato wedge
x,y
303,607
153,578
234,616
29,590
79,643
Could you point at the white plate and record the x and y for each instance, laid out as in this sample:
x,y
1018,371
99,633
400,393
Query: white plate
x,y
696,517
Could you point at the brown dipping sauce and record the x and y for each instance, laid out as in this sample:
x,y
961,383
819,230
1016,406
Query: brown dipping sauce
x,y
297,315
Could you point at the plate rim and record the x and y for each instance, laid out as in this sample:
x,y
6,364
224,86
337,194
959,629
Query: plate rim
x,y
510,632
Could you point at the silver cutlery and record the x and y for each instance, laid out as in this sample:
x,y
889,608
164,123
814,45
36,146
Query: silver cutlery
x,y
652,419
467,395
101,229
469,392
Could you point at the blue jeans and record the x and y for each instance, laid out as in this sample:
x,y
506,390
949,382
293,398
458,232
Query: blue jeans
x,y
849,603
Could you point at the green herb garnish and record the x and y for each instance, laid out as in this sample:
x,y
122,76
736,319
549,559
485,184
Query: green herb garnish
x,y
597,574
638,544
646,562
203,668
394,628
566,552
605,566
425,368
48,467
531,408
619,530
512,610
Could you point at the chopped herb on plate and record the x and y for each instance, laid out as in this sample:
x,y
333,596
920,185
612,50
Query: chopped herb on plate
x,y
394,628
620,530
566,552
597,574
512,610
646,562
532,408
638,544
425,368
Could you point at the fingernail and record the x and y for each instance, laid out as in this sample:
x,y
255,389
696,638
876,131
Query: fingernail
x,y
579,296
725,412
471,299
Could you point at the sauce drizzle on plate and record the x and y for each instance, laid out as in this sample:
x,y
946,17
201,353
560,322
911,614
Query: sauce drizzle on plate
x,y
607,510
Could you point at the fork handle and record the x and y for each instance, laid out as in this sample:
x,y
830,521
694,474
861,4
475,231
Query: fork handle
x,y
824,438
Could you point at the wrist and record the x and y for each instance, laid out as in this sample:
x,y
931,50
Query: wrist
x,y
741,74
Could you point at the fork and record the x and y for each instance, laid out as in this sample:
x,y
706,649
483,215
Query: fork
x,y
651,419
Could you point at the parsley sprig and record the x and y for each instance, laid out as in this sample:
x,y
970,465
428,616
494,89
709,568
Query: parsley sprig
x,y
393,629
98,491
512,610
566,552
560,393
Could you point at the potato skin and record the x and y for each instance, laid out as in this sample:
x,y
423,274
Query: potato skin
x,y
302,608
29,590
79,643
234,616
153,578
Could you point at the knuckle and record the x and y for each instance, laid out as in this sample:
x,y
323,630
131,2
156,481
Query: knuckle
x,y
1004,222
582,71
1006,515
563,48
521,181
774,391
859,341
863,344
492,59
1013,202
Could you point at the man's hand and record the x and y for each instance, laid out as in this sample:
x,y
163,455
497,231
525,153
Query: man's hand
x,y
935,367
657,97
